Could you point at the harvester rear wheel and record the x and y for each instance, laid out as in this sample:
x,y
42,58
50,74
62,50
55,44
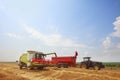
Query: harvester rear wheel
x,y
29,68
40,68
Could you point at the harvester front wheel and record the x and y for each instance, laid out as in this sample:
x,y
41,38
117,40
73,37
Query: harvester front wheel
x,y
20,65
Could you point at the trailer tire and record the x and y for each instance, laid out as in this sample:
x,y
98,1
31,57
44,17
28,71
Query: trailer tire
x,y
60,65
66,65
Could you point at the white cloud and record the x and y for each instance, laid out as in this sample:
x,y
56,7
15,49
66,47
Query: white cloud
x,y
33,33
58,40
107,42
51,39
116,28
112,49
13,35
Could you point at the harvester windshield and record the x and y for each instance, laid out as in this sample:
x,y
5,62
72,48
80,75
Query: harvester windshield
x,y
30,56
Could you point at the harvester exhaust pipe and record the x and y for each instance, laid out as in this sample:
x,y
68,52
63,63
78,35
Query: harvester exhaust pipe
x,y
76,53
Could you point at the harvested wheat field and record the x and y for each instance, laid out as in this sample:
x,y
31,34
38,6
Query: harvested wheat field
x,y
10,71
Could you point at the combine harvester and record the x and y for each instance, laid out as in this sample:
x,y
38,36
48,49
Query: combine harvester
x,y
35,59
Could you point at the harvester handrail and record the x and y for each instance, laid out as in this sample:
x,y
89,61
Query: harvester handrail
x,y
51,54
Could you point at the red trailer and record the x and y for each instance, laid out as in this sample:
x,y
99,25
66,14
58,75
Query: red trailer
x,y
64,61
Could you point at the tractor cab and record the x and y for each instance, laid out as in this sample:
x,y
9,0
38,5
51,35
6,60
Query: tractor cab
x,y
86,58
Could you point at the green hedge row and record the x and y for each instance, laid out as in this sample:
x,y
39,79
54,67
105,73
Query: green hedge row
x,y
112,64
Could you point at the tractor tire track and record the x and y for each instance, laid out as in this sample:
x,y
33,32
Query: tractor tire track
x,y
56,74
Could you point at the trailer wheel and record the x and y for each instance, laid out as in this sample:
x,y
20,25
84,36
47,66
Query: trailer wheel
x,y
58,66
66,65
62,65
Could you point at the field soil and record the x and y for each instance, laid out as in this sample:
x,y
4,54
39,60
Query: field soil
x,y
11,71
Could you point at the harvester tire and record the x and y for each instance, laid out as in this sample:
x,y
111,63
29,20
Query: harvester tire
x,y
29,68
20,65
40,68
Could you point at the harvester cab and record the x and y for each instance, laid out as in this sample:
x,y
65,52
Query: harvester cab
x,y
35,55
33,59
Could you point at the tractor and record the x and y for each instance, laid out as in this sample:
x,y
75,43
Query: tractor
x,y
87,64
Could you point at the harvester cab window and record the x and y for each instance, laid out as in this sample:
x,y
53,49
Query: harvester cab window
x,y
30,56
39,56
36,55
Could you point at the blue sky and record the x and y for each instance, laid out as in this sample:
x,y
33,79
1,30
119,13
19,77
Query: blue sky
x,y
91,27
